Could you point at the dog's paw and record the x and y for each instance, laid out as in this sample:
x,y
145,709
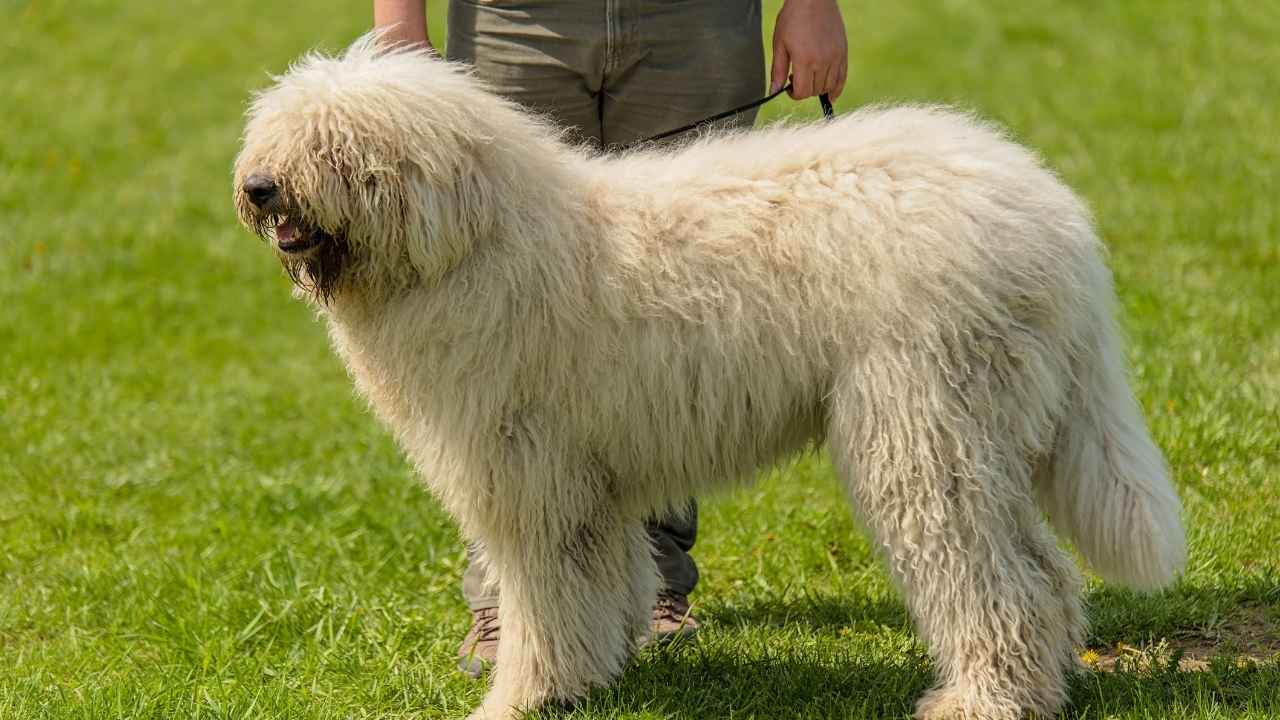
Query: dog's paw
x,y
485,712
955,704
502,709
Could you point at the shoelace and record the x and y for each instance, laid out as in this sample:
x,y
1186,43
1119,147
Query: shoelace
x,y
487,628
668,608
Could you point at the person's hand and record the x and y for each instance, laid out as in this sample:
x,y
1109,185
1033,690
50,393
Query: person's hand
x,y
809,40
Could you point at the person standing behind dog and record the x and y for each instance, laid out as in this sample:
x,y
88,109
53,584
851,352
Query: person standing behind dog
x,y
617,72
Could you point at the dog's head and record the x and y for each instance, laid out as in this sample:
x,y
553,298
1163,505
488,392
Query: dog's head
x,y
360,170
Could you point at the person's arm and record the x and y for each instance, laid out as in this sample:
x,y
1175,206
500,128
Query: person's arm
x,y
809,40
405,21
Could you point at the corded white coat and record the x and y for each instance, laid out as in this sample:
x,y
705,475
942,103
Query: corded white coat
x,y
566,343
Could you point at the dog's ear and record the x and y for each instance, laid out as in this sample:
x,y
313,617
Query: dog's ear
x,y
455,212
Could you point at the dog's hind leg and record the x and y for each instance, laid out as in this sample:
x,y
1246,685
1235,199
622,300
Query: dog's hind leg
x,y
576,582
949,501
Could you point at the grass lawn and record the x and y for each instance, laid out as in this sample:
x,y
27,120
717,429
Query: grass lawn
x,y
198,519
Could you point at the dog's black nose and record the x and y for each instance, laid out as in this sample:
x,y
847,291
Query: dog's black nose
x,y
260,189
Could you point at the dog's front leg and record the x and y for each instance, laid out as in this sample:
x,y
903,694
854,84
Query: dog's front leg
x,y
576,583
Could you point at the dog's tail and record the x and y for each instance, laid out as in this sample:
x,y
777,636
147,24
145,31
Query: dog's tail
x,y
1106,484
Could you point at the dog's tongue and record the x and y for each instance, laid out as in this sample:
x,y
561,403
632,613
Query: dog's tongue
x,y
285,231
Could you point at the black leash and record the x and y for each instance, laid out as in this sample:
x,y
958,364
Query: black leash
x,y
827,111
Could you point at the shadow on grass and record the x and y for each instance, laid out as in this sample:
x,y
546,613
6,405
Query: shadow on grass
x,y
1225,689
795,674
812,612
701,680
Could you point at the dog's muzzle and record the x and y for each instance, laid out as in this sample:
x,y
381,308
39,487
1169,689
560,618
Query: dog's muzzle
x,y
292,235
260,189
293,239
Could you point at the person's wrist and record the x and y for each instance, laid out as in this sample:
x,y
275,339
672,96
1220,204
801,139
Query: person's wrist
x,y
401,35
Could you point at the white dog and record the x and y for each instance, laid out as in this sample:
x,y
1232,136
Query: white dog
x,y
566,344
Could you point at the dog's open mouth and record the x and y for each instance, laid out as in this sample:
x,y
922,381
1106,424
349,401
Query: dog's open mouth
x,y
293,238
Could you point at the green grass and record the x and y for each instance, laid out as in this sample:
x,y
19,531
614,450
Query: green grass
x,y
197,519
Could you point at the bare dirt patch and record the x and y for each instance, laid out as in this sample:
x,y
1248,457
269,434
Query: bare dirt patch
x,y
1250,635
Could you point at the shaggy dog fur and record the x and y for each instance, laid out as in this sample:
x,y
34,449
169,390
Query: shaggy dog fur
x,y
566,343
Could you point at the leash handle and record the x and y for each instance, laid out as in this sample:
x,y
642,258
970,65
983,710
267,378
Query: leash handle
x,y
713,118
827,111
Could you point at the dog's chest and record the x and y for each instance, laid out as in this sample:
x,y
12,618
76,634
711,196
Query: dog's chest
x,y
417,369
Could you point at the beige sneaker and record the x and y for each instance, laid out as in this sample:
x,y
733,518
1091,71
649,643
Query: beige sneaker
x,y
479,649
672,618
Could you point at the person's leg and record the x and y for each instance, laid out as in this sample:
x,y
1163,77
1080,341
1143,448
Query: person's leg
x,y
542,54
677,63
537,64
478,593
667,65
546,56
673,538
552,57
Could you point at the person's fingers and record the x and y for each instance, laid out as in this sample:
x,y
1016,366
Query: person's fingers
x,y
817,75
833,84
821,79
781,63
841,78
801,82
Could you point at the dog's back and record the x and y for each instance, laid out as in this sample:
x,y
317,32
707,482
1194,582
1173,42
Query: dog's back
x,y
738,277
